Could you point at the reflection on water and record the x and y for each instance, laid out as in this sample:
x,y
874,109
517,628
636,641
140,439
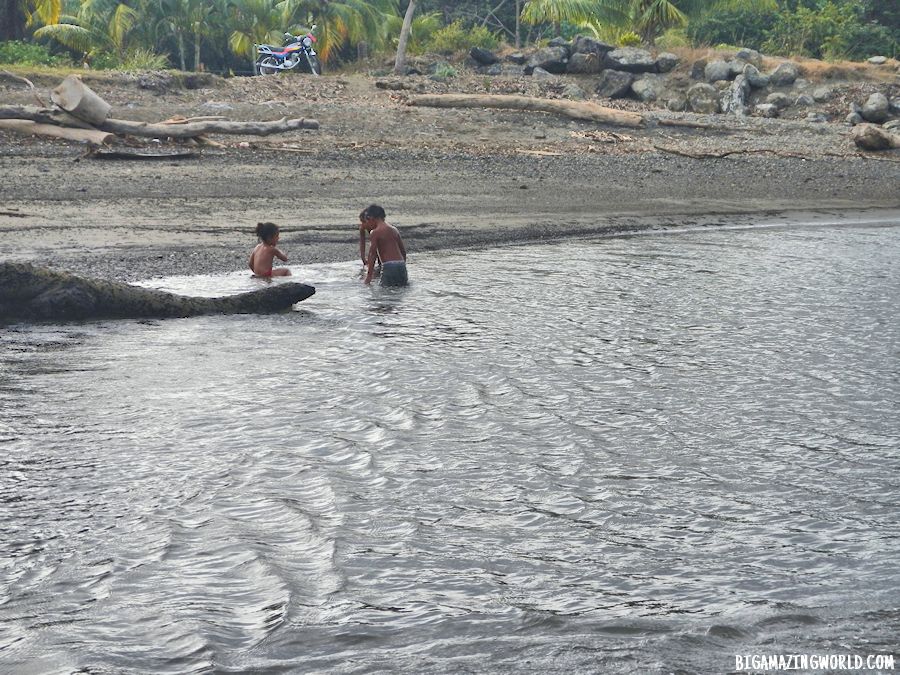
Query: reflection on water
x,y
624,455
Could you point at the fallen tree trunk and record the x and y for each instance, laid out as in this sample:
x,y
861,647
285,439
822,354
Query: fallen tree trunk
x,y
580,110
871,137
42,115
30,128
75,97
160,130
193,129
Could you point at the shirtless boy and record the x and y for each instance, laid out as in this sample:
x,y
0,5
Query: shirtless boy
x,y
266,251
385,244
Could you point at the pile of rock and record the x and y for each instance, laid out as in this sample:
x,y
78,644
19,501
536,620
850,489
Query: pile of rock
x,y
736,85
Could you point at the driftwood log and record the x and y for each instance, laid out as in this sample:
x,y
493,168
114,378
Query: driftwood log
x,y
75,97
162,130
580,110
871,137
29,128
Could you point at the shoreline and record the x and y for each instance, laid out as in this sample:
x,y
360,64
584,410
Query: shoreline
x,y
448,179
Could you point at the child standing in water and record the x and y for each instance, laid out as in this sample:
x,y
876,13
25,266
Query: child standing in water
x,y
265,252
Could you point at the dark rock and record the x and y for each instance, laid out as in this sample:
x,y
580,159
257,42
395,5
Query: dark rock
x,y
698,69
581,63
517,57
647,88
588,45
876,108
779,100
614,84
666,62
716,71
785,74
767,110
483,57
756,79
703,98
494,69
749,56
630,60
551,59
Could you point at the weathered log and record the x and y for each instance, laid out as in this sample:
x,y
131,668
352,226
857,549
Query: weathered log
x,y
30,128
871,137
75,97
192,129
161,130
42,115
31,293
580,110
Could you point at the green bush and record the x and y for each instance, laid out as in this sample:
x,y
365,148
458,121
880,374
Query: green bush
x,y
144,59
29,54
832,30
673,38
743,27
454,38
629,39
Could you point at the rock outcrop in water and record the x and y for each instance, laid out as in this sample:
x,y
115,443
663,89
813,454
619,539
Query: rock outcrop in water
x,y
33,293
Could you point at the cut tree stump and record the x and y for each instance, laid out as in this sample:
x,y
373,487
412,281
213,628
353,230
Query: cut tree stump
x,y
579,110
75,97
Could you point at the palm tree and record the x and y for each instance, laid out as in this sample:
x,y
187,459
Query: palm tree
x,y
648,17
400,60
99,25
342,21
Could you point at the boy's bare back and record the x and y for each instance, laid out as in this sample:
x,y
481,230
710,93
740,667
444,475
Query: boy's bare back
x,y
261,260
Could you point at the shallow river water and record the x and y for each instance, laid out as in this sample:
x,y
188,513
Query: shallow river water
x,y
634,454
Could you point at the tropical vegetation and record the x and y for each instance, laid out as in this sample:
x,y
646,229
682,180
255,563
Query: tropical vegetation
x,y
219,35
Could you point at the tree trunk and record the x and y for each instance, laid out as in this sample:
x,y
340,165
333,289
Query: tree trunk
x,y
75,97
518,24
400,62
580,110
181,60
163,130
197,48
29,128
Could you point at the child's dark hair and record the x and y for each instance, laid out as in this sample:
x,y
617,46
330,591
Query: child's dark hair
x,y
265,231
375,211
363,215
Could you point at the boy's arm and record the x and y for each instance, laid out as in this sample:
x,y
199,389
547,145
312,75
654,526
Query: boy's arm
x,y
373,253
362,245
402,248
250,262
278,254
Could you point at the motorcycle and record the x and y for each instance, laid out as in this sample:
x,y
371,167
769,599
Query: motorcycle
x,y
297,49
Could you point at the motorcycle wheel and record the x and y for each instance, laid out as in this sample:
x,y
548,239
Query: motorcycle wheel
x,y
315,66
267,66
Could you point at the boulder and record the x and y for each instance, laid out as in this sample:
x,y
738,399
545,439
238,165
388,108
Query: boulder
x,y
816,118
584,63
735,100
631,60
647,87
877,60
561,42
574,92
517,57
703,98
895,105
893,125
766,110
494,69
779,100
876,109
588,45
822,94
716,71
666,62
614,84
698,69
677,102
541,74
754,78
784,75
871,137
512,70
804,100
483,57
551,59
853,119
749,56
737,67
